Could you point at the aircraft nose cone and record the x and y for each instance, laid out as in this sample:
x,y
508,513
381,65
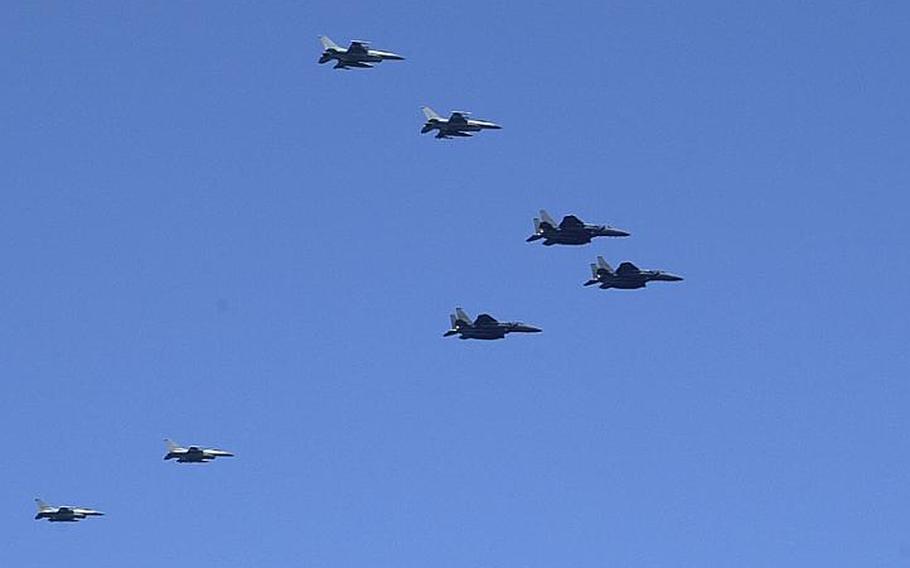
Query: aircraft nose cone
x,y
673,277
619,232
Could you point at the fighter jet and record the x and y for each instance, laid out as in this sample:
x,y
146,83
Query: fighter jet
x,y
484,327
64,513
626,277
458,124
358,54
570,231
193,454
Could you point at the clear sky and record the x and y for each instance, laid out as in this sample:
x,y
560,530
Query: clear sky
x,y
207,236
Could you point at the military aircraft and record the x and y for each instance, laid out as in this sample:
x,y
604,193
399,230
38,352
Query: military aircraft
x,y
193,454
484,327
64,513
626,277
457,125
358,54
570,231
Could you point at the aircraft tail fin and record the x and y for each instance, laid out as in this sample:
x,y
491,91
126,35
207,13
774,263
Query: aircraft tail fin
x,y
327,43
171,445
594,276
602,265
538,232
41,505
460,315
545,218
430,113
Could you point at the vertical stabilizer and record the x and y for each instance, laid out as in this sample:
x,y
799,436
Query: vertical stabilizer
x,y
430,113
328,44
545,217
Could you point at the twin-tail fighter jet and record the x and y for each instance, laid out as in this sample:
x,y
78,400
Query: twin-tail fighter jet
x,y
484,327
570,231
63,513
358,54
626,277
193,454
457,125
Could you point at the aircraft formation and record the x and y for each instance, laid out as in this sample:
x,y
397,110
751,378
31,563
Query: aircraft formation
x,y
570,231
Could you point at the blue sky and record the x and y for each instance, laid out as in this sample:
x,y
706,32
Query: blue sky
x,y
210,237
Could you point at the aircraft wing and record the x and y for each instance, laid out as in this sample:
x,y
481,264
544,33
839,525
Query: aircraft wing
x,y
358,47
627,268
571,222
485,320
458,118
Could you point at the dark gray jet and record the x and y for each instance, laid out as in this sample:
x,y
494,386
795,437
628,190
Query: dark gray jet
x,y
626,277
570,231
457,125
358,54
64,513
193,454
484,327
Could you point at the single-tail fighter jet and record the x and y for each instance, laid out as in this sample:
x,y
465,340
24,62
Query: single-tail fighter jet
x,y
626,277
484,327
570,231
457,125
63,513
193,454
358,54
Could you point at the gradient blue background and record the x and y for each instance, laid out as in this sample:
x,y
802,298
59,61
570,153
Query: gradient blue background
x,y
206,235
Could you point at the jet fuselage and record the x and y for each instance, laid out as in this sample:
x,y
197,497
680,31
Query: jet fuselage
x,y
361,59
633,281
490,332
581,236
